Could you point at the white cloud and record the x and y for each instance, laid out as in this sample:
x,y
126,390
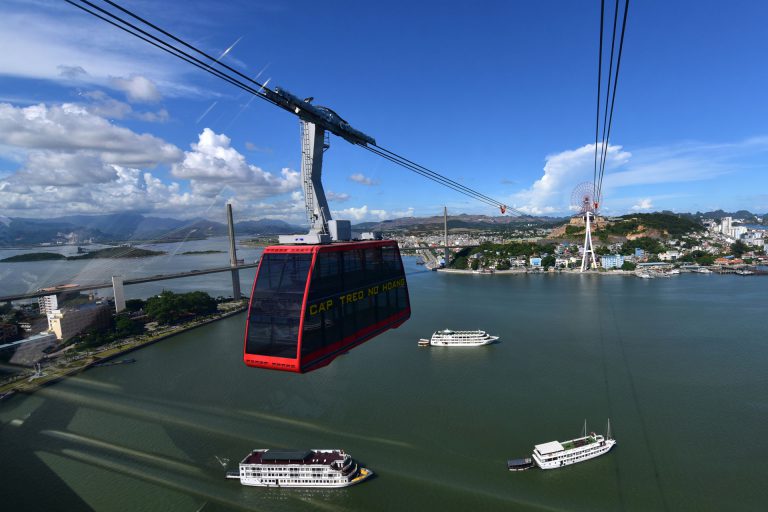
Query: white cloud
x,y
214,163
673,163
396,214
137,88
562,172
338,197
363,179
65,169
364,213
250,146
71,72
101,104
69,128
73,161
54,41
360,214
643,204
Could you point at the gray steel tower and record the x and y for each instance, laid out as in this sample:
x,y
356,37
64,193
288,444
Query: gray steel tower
x,y
233,255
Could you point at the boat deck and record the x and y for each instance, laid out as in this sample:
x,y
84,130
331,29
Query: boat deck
x,y
576,443
303,457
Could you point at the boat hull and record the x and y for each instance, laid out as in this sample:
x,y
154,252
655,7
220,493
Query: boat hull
x,y
478,343
576,456
362,475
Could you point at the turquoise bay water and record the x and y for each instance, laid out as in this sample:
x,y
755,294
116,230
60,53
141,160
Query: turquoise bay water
x,y
679,365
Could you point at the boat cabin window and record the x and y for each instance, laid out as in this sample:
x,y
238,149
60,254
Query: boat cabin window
x,y
273,324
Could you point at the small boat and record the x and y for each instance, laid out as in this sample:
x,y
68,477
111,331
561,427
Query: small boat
x,y
115,362
520,464
644,275
449,338
423,342
556,454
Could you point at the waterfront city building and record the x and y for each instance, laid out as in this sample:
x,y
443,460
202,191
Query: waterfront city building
x,y
725,225
612,261
48,304
71,322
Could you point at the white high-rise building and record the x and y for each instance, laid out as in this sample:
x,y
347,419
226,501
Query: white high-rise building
x,y
48,304
117,288
725,226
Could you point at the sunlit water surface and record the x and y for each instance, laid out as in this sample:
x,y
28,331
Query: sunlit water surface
x,y
679,366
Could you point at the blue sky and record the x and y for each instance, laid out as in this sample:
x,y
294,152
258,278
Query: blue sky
x,y
497,95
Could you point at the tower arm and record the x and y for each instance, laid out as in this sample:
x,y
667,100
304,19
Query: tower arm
x,y
320,116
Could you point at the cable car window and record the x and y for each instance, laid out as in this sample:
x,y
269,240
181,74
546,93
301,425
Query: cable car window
x,y
391,260
326,277
353,269
273,324
373,264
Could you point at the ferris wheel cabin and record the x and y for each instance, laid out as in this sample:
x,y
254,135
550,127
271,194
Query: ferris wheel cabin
x,y
312,303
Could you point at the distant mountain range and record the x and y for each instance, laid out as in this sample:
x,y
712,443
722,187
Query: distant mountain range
x,y
120,227
464,221
745,215
16,231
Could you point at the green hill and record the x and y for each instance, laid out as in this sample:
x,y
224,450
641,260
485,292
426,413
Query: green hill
x,y
34,256
117,252
664,223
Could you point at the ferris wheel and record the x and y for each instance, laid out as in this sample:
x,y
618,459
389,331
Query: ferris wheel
x,y
583,201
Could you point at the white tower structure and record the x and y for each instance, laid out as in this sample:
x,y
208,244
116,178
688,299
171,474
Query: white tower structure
x,y
117,289
583,200
589,250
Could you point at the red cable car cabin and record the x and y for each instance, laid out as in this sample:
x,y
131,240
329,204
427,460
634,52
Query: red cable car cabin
x,y
312,303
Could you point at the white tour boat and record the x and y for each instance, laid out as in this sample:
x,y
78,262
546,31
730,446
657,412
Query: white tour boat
x,y
449,338
556,454
299,468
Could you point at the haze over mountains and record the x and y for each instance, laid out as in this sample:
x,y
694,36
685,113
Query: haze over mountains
x,y
17,231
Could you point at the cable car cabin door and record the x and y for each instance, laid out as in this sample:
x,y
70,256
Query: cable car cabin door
x,y
310,304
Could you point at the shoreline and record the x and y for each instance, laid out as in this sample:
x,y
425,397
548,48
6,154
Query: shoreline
x,y
535,272
24,386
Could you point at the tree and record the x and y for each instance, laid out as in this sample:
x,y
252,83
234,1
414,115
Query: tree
x,y
603,250
648,244
738,248
460,262
475,264
169,307
126,326
548,261
503,265
699,257
628,265
134,304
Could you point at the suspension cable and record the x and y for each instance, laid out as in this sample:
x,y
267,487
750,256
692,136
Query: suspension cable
x,y
610,97
157,41
599,85
613,97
